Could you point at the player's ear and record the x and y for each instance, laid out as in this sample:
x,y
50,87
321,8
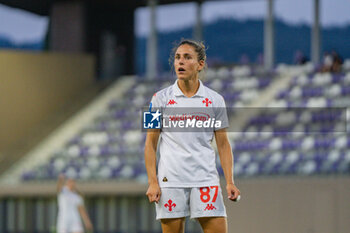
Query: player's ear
x,y
201,65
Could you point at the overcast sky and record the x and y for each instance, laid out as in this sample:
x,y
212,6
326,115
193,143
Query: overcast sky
x,y
170,17
22,26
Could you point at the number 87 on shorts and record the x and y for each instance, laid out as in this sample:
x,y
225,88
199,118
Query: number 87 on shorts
x,y
210,201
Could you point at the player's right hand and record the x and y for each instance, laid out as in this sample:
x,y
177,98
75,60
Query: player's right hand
x,y
153,193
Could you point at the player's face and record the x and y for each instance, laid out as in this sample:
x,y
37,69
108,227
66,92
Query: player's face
x,y
186,63
70,184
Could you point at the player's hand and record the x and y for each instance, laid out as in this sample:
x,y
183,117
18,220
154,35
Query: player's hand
x,y
153,193
89,227
232,192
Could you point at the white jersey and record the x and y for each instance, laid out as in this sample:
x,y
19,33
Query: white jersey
x,y
187,159
68,213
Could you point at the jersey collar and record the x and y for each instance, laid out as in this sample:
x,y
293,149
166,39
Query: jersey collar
x,y
178,92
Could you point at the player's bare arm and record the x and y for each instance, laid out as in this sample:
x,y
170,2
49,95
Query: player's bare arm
x,y
85,217
226,159
153,193
60,182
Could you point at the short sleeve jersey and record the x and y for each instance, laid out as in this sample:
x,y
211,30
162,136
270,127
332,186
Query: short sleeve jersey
x,y
68,203
187,159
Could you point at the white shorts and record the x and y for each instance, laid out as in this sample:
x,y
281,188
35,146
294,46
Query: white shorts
x,y
193,202
70,227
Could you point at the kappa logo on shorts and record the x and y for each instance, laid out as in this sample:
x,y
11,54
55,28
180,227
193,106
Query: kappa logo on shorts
x,y
170,205
210,207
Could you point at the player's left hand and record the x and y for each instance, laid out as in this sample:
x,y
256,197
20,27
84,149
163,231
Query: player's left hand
x,y
89,227
232,192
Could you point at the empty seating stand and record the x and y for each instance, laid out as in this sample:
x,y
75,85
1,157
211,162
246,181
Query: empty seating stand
x,y
306,135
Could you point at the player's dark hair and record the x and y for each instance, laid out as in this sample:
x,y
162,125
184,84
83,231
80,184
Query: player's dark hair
x,y
198,46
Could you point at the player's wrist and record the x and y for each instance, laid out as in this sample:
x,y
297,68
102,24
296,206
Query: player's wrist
x,y
231,182
153,182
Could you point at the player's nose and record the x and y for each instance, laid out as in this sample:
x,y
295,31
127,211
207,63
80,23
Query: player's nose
x,y
181,60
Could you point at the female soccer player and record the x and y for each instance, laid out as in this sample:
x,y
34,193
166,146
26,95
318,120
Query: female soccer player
x,y
187,182
70,208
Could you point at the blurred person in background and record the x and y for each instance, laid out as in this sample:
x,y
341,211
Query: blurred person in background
x,y
337,62
71,208
300,58
327,62
187,182
332,62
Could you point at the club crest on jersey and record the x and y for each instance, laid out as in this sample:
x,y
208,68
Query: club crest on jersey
x,y
206,101
171,102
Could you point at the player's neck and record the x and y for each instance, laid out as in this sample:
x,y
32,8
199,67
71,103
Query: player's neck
x,y
189,87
